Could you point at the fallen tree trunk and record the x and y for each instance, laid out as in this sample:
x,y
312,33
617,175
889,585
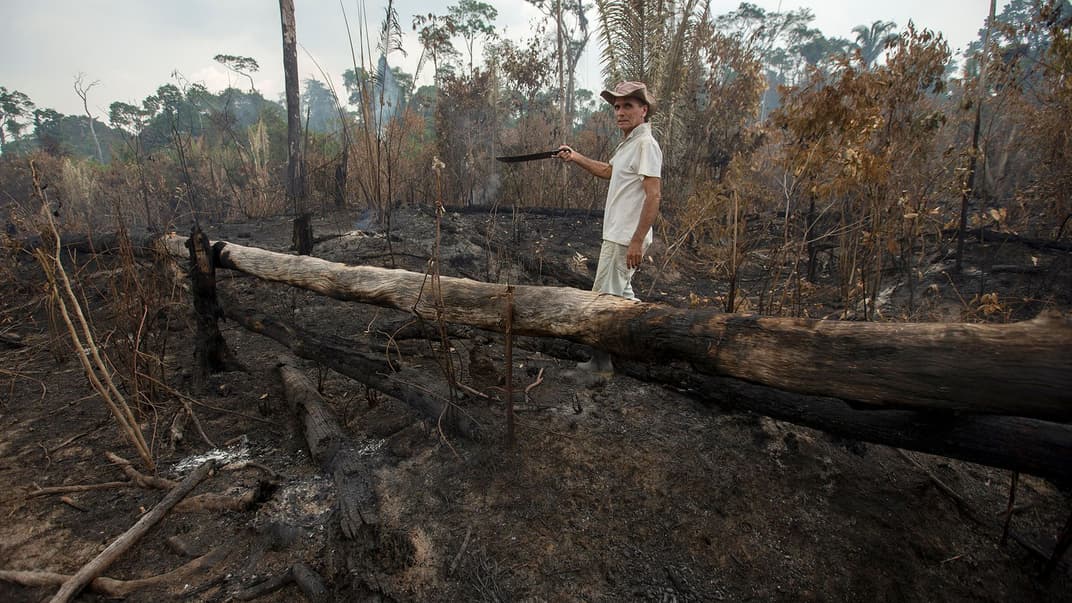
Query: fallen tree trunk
x,y
1020,369
337,454
1040,448
406,384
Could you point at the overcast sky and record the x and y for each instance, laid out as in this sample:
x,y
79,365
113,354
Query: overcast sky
x,y
133,46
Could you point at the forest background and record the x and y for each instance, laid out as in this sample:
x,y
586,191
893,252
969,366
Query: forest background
x,y
797,153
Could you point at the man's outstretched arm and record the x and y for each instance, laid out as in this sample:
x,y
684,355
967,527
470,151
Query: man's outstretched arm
x,y
596,168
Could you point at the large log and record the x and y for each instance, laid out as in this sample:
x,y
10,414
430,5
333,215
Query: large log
x,y
1040,448
1022,369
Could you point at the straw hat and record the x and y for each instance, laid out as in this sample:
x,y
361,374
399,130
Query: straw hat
x,y
637,90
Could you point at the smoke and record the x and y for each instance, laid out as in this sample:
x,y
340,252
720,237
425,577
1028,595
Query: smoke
x,y
387,96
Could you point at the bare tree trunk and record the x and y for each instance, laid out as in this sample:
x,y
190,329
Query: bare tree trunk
x,y
210,350
83,93
1022,369
295,176
969,186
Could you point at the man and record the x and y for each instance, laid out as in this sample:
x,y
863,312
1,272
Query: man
x,y
632,198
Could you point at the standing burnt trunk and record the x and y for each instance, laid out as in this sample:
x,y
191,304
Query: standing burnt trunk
x,y
302,237
210,350
341,169
295,176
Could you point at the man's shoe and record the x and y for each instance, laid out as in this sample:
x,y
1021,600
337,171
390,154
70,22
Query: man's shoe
x,y
600,363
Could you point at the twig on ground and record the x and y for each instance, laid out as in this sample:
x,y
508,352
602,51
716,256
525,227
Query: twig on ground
x,y
67,500
197,423
78,488
474,392
74,584
962,504
461,550
533,385
74,438
239,465
183,396
1051,558
48,457
110,586
142,480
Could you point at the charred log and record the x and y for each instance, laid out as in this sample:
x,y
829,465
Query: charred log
x,y
408,385
1038,448
1022,369
302,237
336,453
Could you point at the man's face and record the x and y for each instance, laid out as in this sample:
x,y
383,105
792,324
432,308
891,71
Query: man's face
x,y
629,113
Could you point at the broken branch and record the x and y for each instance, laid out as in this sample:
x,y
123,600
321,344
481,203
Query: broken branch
x,y
74,584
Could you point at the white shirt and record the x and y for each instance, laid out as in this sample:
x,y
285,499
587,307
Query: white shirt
x,y
637,156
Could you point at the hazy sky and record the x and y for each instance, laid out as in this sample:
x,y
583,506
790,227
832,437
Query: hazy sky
x,y
133,46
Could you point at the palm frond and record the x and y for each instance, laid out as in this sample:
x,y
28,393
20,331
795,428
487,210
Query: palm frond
x,y
390,32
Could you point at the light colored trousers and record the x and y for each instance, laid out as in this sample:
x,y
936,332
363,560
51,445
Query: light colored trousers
x,y
613,274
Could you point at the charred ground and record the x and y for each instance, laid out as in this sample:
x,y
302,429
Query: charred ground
x,y
618,491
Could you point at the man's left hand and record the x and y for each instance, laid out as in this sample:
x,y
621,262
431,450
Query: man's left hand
x,y
634,255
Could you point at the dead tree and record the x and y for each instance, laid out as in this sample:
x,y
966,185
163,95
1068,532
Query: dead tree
x,y
210,350
1019,369
295,171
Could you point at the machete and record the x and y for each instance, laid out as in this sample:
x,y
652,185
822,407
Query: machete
x,y
529,157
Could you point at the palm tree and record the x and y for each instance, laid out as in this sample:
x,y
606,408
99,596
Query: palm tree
x,y
871,41
655,41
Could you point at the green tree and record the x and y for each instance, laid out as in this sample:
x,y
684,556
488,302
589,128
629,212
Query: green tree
x,y
571,38
872,40
778,39
660,43
434,33
318,105
47,131
356,81
473,20
15,108
244,66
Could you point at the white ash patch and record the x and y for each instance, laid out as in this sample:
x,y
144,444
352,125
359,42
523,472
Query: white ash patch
x,y
222,456
370,447
303,502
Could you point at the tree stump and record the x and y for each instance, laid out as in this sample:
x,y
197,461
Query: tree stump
x,y
210,349
303,234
